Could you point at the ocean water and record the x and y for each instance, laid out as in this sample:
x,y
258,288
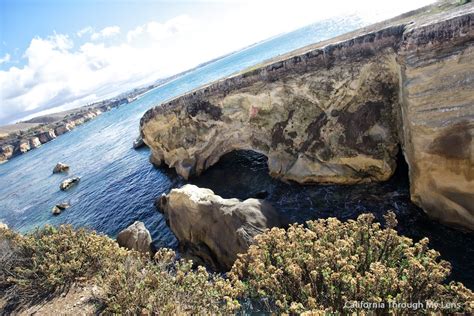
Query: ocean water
x,y
119,186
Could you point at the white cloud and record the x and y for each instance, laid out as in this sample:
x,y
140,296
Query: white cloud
x,y
84,31
5,59
109,31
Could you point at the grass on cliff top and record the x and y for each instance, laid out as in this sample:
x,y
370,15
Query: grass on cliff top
x,y
313,268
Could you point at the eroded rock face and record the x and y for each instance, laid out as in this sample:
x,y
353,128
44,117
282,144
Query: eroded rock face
x,y
438,117
46,136
328,117
23,146
212,228
337,114
6,152
135,237
34,142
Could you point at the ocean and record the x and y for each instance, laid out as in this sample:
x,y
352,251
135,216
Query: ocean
x,y
119,186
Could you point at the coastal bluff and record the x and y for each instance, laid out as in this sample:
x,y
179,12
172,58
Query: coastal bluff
x,y
339,114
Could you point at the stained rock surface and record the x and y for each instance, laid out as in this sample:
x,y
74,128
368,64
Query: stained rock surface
x,y
68,183
339,113
214,229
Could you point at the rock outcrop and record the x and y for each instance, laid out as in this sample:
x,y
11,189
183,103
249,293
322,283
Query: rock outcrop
x,y
438,117
337,114
135,237
214,229
58,208
60,167
34,142
46,136
68,183
6,152
138,142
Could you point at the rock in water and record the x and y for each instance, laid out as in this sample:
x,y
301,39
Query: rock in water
x,y
137,143
214,229
135,237
60,167
58,208
3,226
68,183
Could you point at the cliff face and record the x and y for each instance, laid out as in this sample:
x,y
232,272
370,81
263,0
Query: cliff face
x,y
438,117
337,114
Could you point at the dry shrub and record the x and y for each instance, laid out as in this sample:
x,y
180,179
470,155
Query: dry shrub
x,y
328,263
167,286
49,260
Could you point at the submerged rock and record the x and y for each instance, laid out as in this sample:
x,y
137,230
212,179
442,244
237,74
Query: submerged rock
x,y
135,237
68,183
137,143
58,208
60,167
214,229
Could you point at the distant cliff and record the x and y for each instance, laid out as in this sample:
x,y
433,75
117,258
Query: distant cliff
x,y
339,113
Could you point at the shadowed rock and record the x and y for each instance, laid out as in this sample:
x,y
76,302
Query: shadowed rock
x,y
214,229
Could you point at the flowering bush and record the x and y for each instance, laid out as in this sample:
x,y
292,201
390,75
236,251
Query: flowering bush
x,y
328,264
50,260
167,286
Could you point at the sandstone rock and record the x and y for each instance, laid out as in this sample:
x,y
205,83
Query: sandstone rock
x,y
58,208
329,116
3,226
135,237
438,117
137,143
35,142
6,152
64,128
337,114
68,183
60,167
47,136
212,228
24,146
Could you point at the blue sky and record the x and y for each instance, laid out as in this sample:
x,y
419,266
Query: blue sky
x,y
56,55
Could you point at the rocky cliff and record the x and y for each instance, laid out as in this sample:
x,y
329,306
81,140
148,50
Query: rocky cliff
x,y
338,113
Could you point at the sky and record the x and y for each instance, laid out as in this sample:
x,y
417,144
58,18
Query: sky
x,y
60,54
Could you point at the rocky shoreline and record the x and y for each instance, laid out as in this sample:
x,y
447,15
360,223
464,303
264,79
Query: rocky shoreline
x,y
22,141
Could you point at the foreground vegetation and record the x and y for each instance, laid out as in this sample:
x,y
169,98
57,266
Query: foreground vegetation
x,y
321,266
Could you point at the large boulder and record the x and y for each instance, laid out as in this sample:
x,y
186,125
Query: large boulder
x,y
214,229
135,237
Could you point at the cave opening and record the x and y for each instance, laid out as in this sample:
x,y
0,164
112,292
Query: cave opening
x,y
244,174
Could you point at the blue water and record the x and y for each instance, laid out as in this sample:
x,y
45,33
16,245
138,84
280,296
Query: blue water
x,y
119,186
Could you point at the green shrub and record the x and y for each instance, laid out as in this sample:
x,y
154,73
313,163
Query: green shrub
x,y
328,263
50,260
167,286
